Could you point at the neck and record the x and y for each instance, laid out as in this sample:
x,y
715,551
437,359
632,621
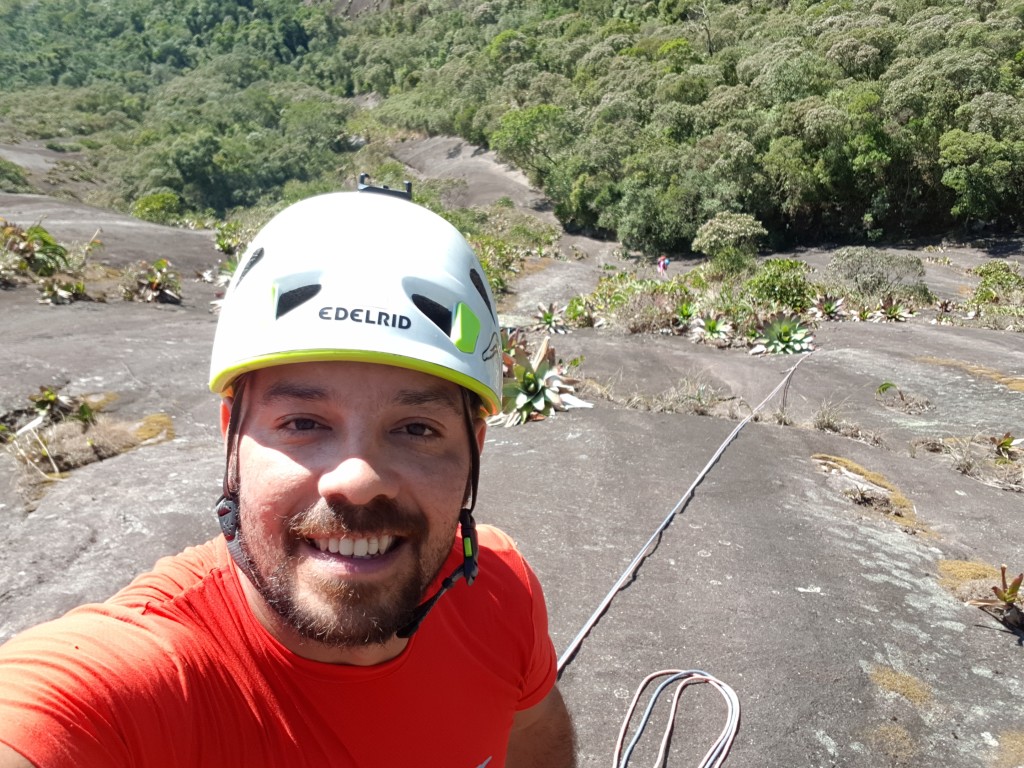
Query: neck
x,y
357,656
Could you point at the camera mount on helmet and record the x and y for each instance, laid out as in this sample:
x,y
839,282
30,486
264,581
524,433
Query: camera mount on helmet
x,y
384,189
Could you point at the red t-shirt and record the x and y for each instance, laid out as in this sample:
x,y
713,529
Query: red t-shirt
x,y
174,670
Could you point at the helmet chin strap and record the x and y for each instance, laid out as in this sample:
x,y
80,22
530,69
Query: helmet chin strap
x,y
226,507
227,512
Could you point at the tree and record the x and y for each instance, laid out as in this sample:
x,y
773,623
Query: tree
x,y
985,174
532,137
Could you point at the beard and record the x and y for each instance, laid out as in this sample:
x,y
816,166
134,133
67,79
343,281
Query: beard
x,y
338,613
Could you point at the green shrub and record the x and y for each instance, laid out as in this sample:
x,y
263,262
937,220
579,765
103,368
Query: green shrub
x,y
158,207
12,178
782,283
1001,283
873,274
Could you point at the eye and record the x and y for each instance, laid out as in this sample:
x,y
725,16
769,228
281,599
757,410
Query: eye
x,y
419,429
301,424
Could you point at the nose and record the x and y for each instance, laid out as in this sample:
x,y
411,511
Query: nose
x,y
358,479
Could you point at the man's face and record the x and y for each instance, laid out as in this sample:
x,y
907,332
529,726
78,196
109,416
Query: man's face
x,y
351,480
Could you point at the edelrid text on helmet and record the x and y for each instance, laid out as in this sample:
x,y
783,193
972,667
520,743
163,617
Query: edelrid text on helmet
x,y
361,277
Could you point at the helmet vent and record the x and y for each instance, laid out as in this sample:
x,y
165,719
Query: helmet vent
x,y
289,300
478,282
253,260
437,314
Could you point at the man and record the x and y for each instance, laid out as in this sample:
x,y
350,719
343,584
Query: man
x,y
350,614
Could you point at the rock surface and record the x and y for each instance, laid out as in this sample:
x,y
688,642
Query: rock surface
x,y
826,616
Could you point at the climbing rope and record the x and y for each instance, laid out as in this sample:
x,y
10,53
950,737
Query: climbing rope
x,y
717,754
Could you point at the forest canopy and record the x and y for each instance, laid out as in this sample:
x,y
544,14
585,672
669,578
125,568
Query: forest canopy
x,y
844,120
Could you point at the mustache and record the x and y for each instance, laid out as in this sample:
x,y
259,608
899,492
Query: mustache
x,y
380,514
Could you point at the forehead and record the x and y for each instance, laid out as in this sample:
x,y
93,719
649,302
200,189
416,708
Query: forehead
x,y
348,381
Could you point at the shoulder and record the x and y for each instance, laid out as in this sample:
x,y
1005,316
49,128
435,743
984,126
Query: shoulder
x,y
501,558
178,575
136,630
104,666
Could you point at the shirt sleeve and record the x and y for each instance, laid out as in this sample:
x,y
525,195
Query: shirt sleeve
x,y
543,670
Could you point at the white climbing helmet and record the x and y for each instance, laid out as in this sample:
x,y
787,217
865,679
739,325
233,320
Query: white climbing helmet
x,y
361,276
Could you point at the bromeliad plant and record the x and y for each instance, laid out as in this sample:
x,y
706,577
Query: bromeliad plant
x,y
513,346
685,313
828,307
891,310
1006,606
536,388
782,334
1008,594
549,319
712,329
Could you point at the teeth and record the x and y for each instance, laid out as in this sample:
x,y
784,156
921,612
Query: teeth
x,y
346,547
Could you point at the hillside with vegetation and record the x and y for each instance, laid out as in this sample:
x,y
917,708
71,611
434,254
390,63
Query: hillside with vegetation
x,y
841,120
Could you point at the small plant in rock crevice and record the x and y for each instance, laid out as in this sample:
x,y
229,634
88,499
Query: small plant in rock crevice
x,y
581,312
891,396
36,250
944,310
828,417
152,282
30,441
1006,605
52,406
1006,446
33,255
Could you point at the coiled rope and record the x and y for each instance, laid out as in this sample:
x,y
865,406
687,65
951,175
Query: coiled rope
x,y
719,750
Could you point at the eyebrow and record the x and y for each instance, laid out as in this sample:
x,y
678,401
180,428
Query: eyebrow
x,y
289,390
432,396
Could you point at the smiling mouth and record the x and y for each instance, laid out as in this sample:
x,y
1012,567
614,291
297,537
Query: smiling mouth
x,y
369,547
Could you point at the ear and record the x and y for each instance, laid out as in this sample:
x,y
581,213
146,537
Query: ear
x,y
225,416
480,430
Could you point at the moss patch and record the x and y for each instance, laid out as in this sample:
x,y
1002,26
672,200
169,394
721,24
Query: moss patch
x,y
1013,383
51,452
955,575
895,742
873,491
909,687
1011,750
155,428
